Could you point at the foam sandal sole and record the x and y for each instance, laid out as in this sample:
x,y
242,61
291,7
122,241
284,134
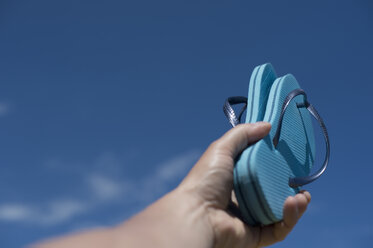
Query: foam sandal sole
x,y
270,168
260,84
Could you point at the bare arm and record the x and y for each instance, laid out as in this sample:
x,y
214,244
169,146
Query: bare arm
x,y
194,214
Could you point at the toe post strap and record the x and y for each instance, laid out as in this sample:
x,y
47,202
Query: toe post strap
x,y
229,112
235,120
300,181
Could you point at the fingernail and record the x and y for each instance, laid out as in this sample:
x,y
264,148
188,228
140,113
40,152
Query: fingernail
x,y
260,123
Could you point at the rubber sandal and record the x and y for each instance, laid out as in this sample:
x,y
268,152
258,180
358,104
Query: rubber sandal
x,y
275,167
260,84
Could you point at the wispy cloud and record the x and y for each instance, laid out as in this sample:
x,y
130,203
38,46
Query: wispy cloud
x,y
317,207
15,212
4,108
177,166
62,210
169,172
103,187
54,212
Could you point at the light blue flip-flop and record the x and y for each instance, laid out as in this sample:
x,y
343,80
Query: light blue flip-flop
x,y
275,167
261,81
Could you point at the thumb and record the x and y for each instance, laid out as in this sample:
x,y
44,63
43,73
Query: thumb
x,y
241,136
220,155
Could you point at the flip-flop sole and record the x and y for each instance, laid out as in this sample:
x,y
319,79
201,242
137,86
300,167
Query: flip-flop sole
x,y
270,168
260,84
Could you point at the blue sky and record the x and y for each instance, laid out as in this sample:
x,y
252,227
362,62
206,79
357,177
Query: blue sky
x,y
105,105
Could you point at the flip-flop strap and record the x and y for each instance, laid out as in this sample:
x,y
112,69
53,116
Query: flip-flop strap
x,y
229,112
300,181
232,117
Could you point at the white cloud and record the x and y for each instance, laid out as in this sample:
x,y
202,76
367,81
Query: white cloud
x,y
15,212
62,210
317,207
105,188
103,185
4,109
55,212
177,166
169,172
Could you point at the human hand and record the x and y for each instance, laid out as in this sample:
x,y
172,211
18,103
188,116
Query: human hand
x,y
196,213
211,180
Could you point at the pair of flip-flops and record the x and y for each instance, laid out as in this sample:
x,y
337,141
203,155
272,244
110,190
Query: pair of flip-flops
x,y
274,168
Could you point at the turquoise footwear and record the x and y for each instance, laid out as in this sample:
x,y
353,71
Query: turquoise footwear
x,y
274,168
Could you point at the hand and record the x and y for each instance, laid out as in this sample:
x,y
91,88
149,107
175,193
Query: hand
x,y
195,213
211,180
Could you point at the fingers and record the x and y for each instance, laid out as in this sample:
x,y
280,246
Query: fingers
x,y
307,195
212,175
222,152
238,138
294,208
278,231
302,200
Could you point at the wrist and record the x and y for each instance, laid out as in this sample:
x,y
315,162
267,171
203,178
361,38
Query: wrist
x,y
179,219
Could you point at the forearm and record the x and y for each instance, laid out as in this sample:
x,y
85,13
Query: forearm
x,y
176,220
194,214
